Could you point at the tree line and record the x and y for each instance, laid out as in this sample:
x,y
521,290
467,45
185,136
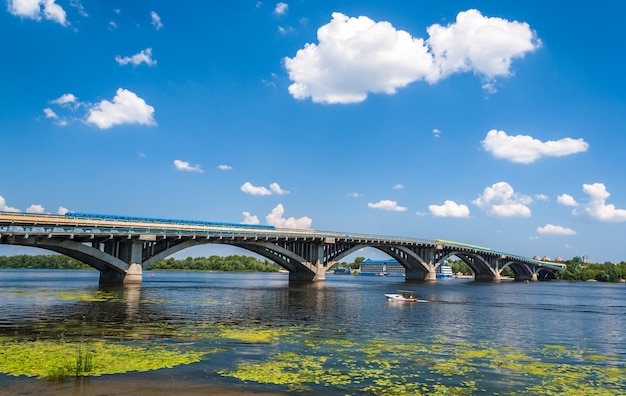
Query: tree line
x,y
214,263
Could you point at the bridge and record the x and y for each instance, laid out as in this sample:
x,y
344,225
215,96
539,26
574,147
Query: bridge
x,y
122,247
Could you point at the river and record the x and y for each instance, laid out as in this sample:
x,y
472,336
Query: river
x,y
255,333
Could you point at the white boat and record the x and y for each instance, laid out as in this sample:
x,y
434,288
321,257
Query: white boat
x,y
444,270
401,296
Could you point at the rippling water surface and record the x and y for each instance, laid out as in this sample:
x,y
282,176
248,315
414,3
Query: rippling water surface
x,y
259,334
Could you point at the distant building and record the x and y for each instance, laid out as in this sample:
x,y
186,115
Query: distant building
x,y
558,258
381,268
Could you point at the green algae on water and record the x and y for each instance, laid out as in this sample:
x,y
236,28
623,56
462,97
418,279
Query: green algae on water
x,y
57,360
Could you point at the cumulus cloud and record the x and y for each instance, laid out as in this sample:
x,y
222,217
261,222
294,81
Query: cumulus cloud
x,y
550,229
187,167
596,208
4,207
281,8
248,188
358,56
35,209
276,219
249,219
224,167
436,132
33,9
501,200
386,204
126,108
61,211
449,209
484,45
567,200
156,20
144,56
526,149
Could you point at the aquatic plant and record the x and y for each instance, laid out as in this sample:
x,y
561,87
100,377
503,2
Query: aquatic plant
x,y
56,360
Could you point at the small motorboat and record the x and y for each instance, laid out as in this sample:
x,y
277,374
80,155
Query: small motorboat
x,y
402,296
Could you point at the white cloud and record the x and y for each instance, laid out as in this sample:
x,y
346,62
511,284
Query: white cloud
x,y
285,30
484,45
4,207
597,208
275,188
398,187
156,20
276,219
542,197
358,56
386,204
502,201
50,113
32,9
62,211
54,12
436,132
281,8
35,209
550,229
126,108
65,99
449,209
354,195
248,188
187,167
144,56
249,219
567,200
224,167
526,149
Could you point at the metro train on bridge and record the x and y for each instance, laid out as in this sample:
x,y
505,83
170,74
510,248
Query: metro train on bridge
x,y
155,220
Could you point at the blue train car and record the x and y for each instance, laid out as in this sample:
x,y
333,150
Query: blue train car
x,y
121,218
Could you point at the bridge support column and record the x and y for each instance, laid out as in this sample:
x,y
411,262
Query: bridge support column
x,y
305,276
130,252
420,274
491,276
132,276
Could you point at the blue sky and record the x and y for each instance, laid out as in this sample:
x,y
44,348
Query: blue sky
x,y
493,123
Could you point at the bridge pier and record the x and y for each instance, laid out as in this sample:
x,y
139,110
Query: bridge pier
x,y
306,276
420,274
132,276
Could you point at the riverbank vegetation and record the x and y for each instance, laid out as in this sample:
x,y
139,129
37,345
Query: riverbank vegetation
x,y
214,263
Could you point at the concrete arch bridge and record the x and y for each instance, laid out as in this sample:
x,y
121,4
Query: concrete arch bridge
x,y
122,247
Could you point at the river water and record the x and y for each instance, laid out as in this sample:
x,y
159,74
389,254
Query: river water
x,y
256,333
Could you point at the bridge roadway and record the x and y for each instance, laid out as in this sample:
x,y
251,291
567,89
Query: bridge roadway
x,y
122,249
